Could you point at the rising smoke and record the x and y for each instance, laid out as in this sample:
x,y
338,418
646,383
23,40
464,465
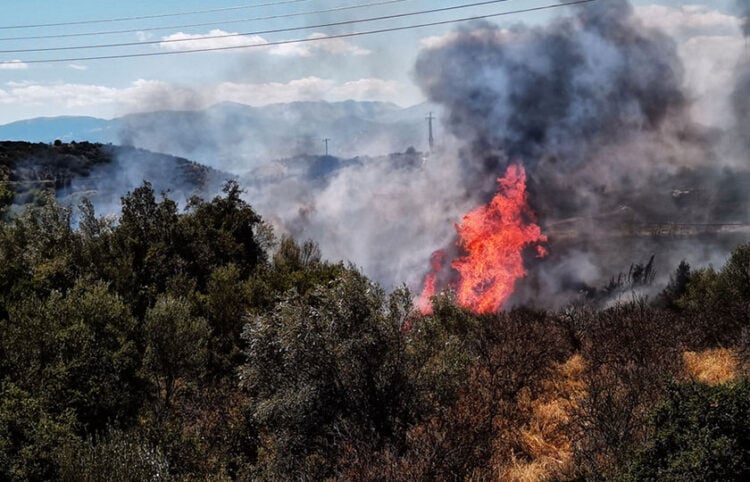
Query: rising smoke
x,y
177,178
741,94
386,214
743,9
594,106
587,103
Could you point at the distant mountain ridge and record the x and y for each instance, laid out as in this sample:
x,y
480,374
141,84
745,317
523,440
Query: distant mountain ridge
x,y
239,137
65,128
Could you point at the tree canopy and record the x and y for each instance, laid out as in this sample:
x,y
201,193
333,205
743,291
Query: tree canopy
x,y
192,344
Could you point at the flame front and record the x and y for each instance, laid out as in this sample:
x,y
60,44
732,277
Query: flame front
x,y
492,238
424,303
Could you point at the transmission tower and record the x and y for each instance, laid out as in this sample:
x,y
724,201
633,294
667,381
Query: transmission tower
x,y
430,118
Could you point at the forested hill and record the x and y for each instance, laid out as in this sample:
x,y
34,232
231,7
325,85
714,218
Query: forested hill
x,y
72,170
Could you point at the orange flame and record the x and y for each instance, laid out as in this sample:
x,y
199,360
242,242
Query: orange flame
x,y
493,238
424,304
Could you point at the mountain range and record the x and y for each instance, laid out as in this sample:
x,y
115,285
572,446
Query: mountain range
x,y
237,137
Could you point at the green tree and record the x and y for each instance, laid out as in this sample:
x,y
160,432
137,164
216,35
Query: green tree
x,y
30,436
145,245
40,247
294,266
735,275
79,352
225,304
176,344
221,232
323,368
678,285
117,457
700,433
6,193
719,301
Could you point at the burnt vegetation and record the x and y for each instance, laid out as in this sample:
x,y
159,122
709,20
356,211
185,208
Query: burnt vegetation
x,y
168,345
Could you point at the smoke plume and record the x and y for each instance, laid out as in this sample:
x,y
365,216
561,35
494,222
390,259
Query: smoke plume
x,y
586,103
741,94
385,214
106,183
594,107
743,8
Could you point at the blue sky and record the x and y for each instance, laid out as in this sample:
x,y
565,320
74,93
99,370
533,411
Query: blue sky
x,y
374,67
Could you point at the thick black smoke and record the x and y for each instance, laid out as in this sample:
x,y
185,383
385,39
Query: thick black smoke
x,y
594,106
575,95
556,90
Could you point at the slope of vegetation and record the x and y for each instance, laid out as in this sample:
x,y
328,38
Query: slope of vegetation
x,y
29,171
168,345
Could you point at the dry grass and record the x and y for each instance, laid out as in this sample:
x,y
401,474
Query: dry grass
x,y
712,367
534,471
545,440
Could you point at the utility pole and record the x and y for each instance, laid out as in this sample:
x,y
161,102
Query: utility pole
x,y
326,141
430,118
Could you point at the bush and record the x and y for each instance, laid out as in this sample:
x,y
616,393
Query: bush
x,y
122,457
700,433
326,368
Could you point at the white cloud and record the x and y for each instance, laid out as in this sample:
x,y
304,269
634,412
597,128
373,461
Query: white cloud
x,y
335,46
69,95
309,88
19,84
183,41
13,65
219,39
148,95
688,20
78,67
144,36
437,41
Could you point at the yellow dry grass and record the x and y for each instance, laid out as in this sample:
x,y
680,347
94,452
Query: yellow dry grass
x,y
545,440
712,367
527,472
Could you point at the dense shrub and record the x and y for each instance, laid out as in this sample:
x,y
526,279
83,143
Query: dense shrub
x,y
700,433
190,345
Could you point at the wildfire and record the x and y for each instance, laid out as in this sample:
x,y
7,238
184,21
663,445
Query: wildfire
x,y
492,238
430,282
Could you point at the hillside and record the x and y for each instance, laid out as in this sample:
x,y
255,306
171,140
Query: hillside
x,y
102,172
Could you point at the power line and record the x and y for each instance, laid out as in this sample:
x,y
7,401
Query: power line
x,y
204,24
304,40
147,17
257,32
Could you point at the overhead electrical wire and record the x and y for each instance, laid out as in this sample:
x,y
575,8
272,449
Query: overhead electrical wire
x,y
257,32
207,24
148,17
304,40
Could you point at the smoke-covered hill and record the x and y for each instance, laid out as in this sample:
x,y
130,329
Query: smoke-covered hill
x,y
239,137
102,172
